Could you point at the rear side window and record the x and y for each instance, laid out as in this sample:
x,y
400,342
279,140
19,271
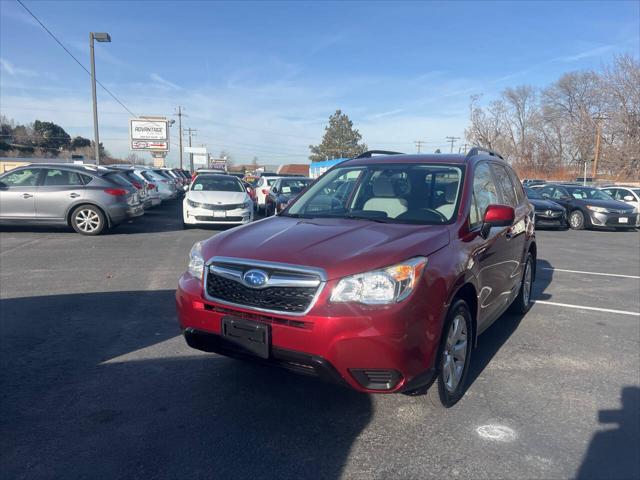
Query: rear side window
x,y
56,177
506,187
119,179
485,193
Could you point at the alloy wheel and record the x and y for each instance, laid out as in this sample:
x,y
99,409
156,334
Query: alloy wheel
x,y
574,220
87,220
455,353
526,286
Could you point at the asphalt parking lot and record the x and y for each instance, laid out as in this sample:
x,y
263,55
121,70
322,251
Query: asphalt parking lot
x,y
96,381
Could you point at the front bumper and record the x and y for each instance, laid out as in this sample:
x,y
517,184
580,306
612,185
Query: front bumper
x,y
546,219
386,350
614,220
196,215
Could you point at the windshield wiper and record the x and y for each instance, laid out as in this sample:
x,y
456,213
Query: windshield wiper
x,y
371,219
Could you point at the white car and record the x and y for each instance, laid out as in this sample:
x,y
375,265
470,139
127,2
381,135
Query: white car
x,y
262,188
166,189
216,199
630,195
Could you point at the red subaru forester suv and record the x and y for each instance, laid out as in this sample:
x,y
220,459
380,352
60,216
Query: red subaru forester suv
x,y
380,275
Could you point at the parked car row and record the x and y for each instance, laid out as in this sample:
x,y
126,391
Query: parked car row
x,y
570,205
88,198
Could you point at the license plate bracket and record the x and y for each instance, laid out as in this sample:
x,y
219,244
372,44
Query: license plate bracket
x,y
249,337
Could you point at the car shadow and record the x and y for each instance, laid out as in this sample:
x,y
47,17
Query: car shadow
x,y
105,387
613,453
494,337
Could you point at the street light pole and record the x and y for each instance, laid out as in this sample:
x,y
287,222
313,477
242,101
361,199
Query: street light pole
x,y
98,37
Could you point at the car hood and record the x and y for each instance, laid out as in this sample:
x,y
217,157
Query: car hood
x,y
217,198
339,246
545,204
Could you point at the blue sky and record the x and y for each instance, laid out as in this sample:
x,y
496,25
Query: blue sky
x,y
261,79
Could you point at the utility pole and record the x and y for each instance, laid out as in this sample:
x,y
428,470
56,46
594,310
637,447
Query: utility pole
x,y
180,115
596,154
98,37
191,132
419,144
452,140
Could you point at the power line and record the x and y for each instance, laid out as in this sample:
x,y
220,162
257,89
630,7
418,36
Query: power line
x,y
76,60
72,56
452,140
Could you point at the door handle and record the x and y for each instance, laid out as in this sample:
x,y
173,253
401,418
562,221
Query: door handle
x,y
27,195
74,195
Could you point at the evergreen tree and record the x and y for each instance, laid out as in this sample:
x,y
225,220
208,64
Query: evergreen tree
x,y
340,140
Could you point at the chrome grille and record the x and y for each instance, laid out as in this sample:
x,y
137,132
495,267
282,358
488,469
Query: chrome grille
x,y
288,289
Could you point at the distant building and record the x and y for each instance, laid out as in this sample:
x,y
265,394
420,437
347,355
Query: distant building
x,y
300,169
318,168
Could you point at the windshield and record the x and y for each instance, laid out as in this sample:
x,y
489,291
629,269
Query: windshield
x,y
584,193
395,193
294,185
532,194
216,183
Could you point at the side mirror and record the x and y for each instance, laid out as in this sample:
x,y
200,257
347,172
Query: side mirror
x,y
566,198
497,216
628,198
274,190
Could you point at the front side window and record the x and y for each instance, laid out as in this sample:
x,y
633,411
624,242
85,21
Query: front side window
x,y
206,183
485,192
27,177
560,193
55,177
506,187
394,193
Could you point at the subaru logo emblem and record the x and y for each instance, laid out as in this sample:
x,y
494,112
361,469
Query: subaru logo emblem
x,y
255,278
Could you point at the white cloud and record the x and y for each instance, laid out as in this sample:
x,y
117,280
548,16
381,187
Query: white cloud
x,y
12,70
164,82
594,52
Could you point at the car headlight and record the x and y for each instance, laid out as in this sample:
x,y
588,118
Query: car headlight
x,y
196,261
593,208
247,204
380,287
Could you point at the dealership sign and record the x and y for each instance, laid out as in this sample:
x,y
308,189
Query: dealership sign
x,y
149,133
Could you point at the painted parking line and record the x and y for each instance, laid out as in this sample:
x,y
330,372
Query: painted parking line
x,y
582,307
590,273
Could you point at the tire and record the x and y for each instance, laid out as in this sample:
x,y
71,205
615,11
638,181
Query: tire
x,y
450,385
88,220
576,220
522,303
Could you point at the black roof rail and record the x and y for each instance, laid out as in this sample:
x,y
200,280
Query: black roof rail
x,y
475,150
371,153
